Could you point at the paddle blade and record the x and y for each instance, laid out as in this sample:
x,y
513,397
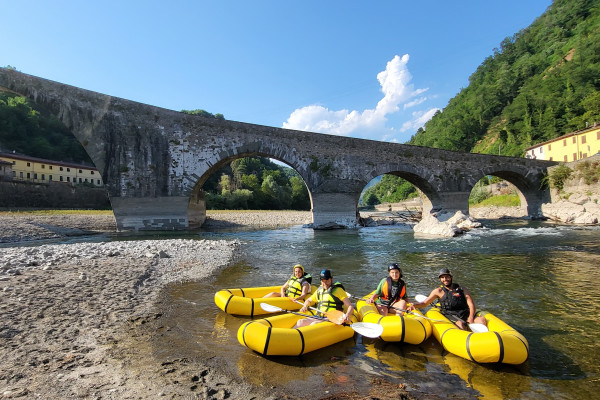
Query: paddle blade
x,y
420,298
478,328
335,316
270,308
367,329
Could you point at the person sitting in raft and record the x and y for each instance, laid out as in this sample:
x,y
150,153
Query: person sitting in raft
x,y
297,287
390,295
328,296
456,302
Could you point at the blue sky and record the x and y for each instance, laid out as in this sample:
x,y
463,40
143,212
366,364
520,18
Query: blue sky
x,y
376,70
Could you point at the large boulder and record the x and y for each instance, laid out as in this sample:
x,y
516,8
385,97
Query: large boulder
x,y
445,224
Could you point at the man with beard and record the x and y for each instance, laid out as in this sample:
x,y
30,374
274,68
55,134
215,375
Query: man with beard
x,y
456,302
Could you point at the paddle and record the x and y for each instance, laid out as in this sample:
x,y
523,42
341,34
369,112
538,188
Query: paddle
x,y
366,329
476,328
335,316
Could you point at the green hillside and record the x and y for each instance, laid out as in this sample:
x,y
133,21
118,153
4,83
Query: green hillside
x,y
541,83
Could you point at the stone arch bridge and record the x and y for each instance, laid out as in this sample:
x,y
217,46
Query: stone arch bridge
x,y
154,161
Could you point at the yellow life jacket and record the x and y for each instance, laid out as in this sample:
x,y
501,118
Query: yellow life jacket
x,y
327,301
294,288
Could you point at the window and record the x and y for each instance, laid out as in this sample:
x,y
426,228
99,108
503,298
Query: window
x,y
564,142
549,147
28,175
61,168
50,178
61,178
574,139
584,155
566,159
92,172
598,135
582,139
21,175
43,166
68,179
574,156
541,149
29,164
34,176
68,169
43,177
550,158
80,171
98,181
49,166
79,180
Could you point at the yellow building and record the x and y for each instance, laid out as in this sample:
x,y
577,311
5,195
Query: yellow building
x,y
570,147
39,170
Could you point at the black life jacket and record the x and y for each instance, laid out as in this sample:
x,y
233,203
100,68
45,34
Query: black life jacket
x,y
453,301
391,293
326,301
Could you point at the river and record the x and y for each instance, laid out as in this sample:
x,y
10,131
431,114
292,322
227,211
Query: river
x,y
540,278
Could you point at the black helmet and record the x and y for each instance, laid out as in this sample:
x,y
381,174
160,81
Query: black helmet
x,y
395,266
325,274
444,271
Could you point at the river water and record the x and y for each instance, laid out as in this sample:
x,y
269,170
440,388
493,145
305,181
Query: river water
x,y
541,279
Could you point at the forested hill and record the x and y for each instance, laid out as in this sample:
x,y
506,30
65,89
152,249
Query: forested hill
x,y
541,83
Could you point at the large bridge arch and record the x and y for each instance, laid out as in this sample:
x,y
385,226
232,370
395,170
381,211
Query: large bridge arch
x,y
151,158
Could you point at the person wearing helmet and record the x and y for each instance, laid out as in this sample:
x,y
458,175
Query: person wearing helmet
x,y
390,295
329,296
456,302
297,287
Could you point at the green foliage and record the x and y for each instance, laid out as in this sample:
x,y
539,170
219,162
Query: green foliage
x,y
502,200
480,192
390,189
540,84
588,171
256,183
559,175
36,133
203,113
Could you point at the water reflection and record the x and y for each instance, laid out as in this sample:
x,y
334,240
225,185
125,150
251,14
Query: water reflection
x,y
540,279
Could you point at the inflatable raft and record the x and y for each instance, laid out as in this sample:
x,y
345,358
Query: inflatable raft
x,y
408,328
275,336
247,301
502,344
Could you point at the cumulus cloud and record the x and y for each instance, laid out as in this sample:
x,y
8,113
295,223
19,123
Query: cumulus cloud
x,y
397,90
419,118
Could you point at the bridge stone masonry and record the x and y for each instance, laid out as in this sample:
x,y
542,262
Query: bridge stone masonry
x,y
154,161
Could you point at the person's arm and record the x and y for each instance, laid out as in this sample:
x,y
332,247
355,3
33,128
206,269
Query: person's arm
x,y
471,305
376,294
307,303
284,287
432,296
349,310
305,290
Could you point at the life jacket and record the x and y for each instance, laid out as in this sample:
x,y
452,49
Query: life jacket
x,y
326,301
454,300
391,293
294,288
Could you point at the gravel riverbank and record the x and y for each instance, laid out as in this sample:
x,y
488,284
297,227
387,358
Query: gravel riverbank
x,y
79,320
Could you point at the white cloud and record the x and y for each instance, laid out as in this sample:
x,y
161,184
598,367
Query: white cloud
x,y
397,90
419,118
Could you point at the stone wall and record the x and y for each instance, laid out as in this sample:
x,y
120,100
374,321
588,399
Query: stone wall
x,y
25,195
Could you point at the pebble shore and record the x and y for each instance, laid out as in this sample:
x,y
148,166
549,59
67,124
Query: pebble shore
x,y
78,320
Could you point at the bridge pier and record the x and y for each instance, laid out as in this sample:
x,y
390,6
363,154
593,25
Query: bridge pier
x,y
151,213
334,210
